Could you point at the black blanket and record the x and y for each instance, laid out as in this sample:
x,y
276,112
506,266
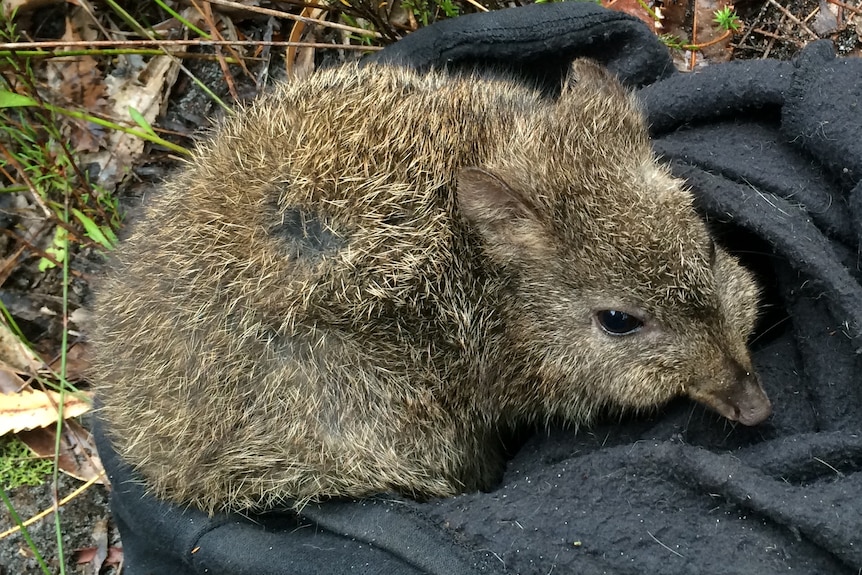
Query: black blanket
x,y
773,152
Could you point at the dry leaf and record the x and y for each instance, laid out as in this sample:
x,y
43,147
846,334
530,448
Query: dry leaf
x,y
100,536
142,85
14,354
22,6
30,409
95,557
79,80
632,8
89,554
77,362
10,381
78,456
826,21
299,62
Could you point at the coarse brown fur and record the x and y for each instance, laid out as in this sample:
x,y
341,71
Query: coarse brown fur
x,y
368,274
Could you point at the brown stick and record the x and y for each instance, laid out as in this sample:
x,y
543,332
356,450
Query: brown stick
x,y
289,16
846,6
142,43
794,19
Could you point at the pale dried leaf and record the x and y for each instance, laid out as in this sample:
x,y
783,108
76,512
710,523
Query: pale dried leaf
x,y
23,6
15,354
100,537
10,381
144,86
80,316
29,409
87,555
826,21
79,82
77,362
299,62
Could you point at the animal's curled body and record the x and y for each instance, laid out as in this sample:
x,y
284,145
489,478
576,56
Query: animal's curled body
x,y
365,275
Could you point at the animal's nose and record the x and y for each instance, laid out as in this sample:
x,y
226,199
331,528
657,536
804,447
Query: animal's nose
x,y
749,401
746,395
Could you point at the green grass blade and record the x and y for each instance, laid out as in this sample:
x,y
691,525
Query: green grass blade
x,y
183,21
13,100
141,121
92,229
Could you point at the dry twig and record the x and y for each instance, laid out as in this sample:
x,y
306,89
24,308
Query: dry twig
x,y
794,19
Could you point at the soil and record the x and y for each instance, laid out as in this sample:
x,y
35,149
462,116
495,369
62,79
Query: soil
x,y
27,290
80,520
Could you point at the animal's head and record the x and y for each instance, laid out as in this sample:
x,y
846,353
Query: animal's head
x,y
620,296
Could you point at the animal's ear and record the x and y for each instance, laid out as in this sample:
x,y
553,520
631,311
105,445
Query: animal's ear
x,y
605,109
587,76
504,218
488,201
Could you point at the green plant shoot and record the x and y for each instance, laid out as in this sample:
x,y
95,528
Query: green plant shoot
x,y
727,19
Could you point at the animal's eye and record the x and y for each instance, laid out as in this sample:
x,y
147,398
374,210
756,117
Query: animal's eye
x,y
616,322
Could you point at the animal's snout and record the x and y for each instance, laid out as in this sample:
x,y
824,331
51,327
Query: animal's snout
x,y
741,398
749,402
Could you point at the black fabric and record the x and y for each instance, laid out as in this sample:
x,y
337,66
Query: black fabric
x,y
538,41
159,538
773,153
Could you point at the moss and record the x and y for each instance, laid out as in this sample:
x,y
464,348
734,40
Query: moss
x,y
18,467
